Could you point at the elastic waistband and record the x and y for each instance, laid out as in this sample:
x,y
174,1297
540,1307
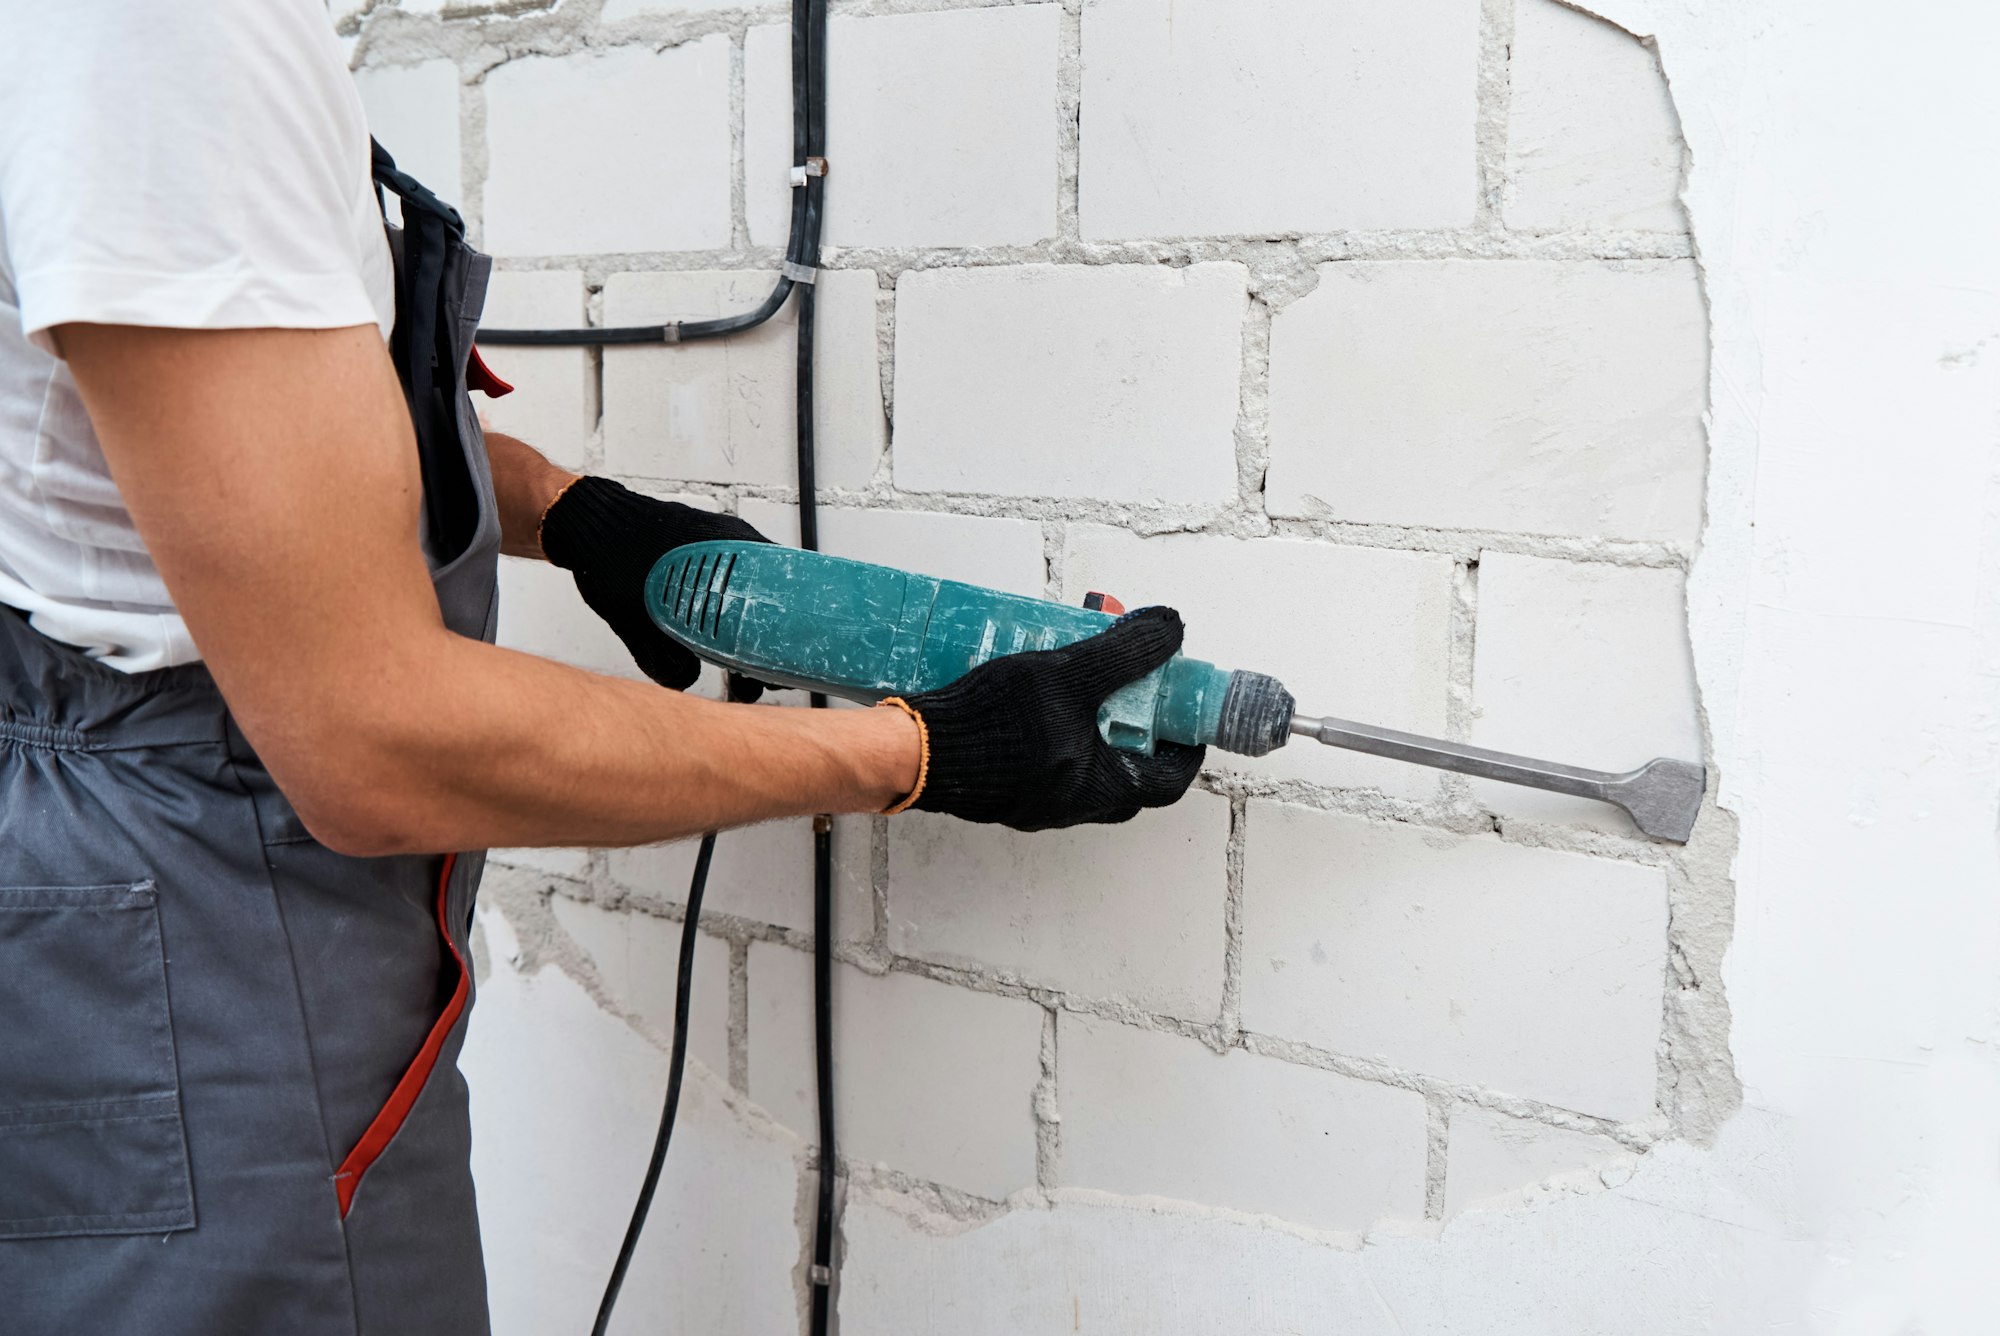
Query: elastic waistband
x,y
56,697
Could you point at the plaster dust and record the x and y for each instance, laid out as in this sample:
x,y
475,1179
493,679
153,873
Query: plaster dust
x,y
1821,1156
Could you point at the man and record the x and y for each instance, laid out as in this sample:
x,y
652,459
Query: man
x,y
247,706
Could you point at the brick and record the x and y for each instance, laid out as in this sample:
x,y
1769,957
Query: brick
x,y
1002,553
1592,137
941,128
1132,912
573,864
413,110
1162,1115
935,1081
763,873
553,406
613,151
723,410
637,956
1531,971
1490,1156
566,1099
541,613
1271,116
1531,396
1036,380
617,10
1582,663
1360,633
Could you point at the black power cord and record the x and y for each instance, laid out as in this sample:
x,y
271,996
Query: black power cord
x,y
802,260
676,1068
809,145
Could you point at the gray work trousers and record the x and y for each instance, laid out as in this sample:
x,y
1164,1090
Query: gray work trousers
x,y
229,1098
229,1090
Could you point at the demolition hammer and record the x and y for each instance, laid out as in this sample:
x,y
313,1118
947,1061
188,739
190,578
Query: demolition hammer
x,y
794,618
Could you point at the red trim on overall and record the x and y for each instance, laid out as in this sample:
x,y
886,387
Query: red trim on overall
x,y
390,1119
479,376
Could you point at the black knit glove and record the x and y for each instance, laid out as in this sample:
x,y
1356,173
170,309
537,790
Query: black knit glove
x,y
609,536
1015,740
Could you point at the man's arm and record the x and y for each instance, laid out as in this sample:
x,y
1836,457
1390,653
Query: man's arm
x,y
524,484
273,475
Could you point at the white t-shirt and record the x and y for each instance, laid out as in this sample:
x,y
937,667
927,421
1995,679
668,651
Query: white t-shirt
x,y
190,164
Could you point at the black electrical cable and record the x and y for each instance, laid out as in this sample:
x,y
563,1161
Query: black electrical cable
x,y
801,249
809,144
676,1067
801,253
677,331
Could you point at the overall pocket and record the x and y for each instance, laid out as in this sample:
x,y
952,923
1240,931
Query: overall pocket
x,y
90,1120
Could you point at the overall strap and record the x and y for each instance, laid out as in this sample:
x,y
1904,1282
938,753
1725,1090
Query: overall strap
x,y
408,189
429,251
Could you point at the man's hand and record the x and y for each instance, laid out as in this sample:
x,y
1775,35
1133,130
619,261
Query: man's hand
x,y
1015,740
609,536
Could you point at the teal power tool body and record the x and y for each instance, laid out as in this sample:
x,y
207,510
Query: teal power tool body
x,y
856,630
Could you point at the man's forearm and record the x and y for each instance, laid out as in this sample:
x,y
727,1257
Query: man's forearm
x,y
524,483
299,574
485,746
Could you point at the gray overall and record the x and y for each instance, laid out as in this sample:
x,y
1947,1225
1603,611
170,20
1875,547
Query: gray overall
x,y
229,1093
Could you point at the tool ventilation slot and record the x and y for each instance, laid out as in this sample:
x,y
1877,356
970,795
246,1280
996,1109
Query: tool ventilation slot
x,y
718,585
694,592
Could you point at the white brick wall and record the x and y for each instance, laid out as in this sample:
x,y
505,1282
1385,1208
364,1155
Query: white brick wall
x,y
762,873
1589,663
1132,912
565,1099
724,410
413,110
1359,633
1493,1155
554,403
934,1080
571,863
615,151
1382,321
1268,116
1532,396
616,11
1592,140
1001,553
941,128
635,958
1156,1114
1530,971
1040,380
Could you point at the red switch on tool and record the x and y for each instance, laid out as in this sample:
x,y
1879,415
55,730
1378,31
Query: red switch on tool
x,y
1097,602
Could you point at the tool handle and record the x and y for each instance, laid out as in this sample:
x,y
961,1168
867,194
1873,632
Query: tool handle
x,y
862,632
